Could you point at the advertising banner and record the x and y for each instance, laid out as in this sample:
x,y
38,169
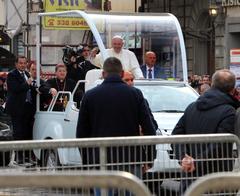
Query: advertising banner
x,y
70,23
235,63
235,56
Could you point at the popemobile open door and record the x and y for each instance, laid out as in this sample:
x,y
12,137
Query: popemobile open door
x,y
141,32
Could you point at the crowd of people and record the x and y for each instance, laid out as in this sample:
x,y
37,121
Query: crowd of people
x,y
122,110
203,83
200,83
76,63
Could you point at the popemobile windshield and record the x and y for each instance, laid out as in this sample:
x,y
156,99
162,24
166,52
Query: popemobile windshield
x,y
141,32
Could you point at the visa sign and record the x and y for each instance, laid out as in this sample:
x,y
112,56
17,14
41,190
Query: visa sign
x,y
51,22
63,5
64,2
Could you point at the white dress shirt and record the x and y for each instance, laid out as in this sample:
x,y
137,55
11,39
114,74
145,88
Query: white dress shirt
x,y
23,72
147,72
128,59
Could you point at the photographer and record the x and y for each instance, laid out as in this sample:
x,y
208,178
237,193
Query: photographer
x,y
77,65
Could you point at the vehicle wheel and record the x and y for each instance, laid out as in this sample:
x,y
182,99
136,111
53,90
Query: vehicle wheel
x,y
50,159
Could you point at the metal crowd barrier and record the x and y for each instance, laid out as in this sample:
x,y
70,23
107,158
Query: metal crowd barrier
x,y
216,184
156,160
70,183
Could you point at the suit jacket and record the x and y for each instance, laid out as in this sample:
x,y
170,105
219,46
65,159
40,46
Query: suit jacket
x,y
158,72
17,92
114,109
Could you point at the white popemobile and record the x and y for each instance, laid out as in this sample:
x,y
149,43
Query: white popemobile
x,y
167,99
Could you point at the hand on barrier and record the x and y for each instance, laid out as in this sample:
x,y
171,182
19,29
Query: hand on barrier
x,y
188,164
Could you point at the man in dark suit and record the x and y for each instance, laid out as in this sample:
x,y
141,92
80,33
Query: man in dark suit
x,y
150,70
113,109
19,97
128,77
35,91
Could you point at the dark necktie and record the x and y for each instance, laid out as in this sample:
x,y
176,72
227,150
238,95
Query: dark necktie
x,y
150,74
34,83
28,95
23,76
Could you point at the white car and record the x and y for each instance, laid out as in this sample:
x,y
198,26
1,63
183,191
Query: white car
x,y
167,100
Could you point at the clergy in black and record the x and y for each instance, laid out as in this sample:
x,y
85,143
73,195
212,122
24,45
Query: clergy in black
x,y
59,83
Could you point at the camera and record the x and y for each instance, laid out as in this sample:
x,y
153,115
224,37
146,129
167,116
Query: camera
x,y
195,84
70,52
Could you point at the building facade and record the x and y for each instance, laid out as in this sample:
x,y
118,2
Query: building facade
x,y
196,26
212,41
231,36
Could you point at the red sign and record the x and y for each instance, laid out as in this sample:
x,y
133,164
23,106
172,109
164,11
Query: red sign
x,y
235,56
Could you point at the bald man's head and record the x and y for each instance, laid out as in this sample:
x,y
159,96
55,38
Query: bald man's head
x,y
224,80
128,78
150,58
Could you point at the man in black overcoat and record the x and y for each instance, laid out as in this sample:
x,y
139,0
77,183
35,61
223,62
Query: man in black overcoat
x,y
114,109
213,112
